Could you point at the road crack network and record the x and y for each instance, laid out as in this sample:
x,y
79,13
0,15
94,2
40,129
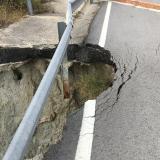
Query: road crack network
x,y
128,78
123,83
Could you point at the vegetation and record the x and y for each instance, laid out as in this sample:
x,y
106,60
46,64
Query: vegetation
x,y
13,10
90,80
90,85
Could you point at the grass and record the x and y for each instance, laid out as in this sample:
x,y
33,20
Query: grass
x,y
91,80
12,10
10,15
38,6
90,86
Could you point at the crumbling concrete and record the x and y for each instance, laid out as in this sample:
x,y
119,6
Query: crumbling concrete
x,y
18,84
25,48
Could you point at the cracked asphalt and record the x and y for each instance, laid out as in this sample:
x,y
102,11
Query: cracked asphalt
x,y
128,114
127,125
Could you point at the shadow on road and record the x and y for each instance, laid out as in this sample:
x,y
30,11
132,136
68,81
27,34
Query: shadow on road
x,y
66,148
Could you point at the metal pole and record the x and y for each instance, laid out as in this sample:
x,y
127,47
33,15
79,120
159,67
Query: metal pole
x,y
29,6
65,64
69,14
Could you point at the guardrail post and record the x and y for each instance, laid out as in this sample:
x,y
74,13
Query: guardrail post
x,y
29,6
65,64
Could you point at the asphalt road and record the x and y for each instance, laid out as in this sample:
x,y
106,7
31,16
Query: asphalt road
x,y
127,123
66,148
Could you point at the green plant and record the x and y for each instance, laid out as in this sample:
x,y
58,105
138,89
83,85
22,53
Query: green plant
x,y
91,80
90,86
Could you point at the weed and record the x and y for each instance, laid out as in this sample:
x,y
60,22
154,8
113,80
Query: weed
x,y
12,10
10,15
91,80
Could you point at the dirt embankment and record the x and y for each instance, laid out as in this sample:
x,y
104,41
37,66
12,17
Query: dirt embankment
x,y
91,72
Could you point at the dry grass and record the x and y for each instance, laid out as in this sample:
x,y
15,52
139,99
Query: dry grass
x,y
11,12
38,6
91,80
9,15
90,86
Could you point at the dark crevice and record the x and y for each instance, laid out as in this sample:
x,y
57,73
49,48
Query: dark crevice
x,y
87,54
17,74
110,107
90,53
89,74
15,54
129,77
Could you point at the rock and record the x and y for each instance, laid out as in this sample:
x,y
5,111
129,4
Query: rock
x,y
17,87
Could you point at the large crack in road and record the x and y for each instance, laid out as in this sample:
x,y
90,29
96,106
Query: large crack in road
x,y
127,114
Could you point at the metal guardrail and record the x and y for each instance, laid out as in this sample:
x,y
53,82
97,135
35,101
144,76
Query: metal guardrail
x,y
25,131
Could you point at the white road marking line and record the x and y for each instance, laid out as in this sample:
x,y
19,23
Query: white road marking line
x,y
139,7
103,35
84,147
